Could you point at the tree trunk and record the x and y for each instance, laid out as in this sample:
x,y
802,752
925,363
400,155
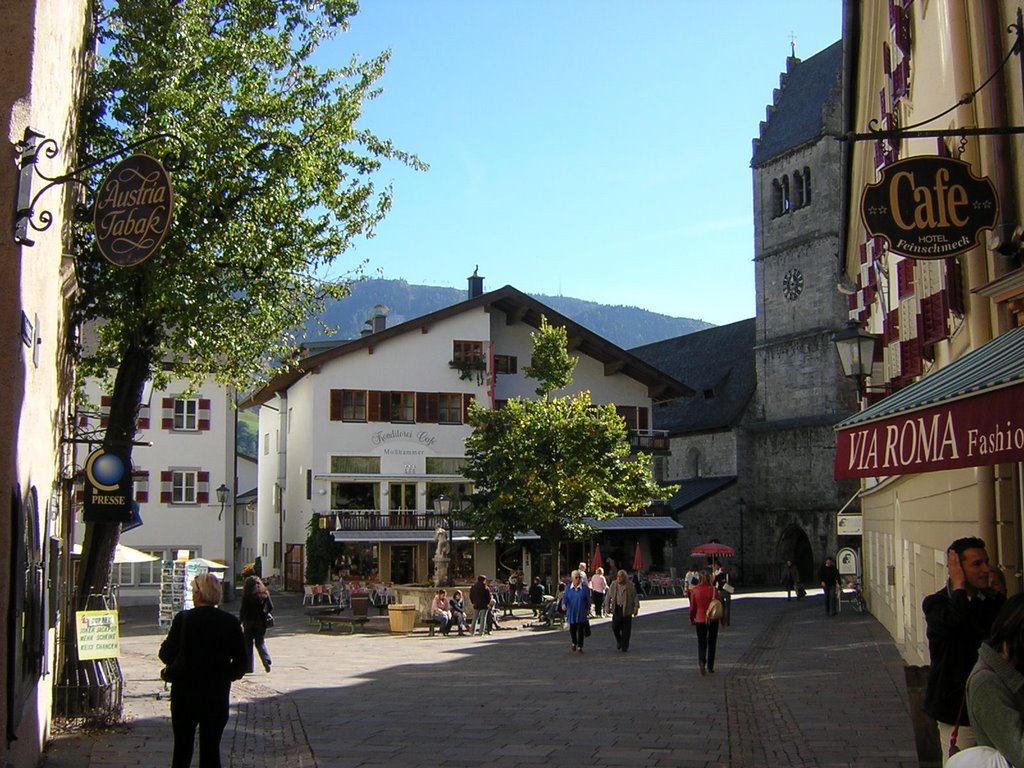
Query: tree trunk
x,y
101,538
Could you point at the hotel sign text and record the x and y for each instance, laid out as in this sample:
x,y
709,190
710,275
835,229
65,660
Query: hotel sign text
x,y
929,207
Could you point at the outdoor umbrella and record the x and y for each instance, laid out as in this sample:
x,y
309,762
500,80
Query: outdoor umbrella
x,y
122,554
638,559
595,561
714,549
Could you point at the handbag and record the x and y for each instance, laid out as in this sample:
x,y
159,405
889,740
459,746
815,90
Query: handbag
x,y
715,610
176,670
586,628
953,748
270,620
727,587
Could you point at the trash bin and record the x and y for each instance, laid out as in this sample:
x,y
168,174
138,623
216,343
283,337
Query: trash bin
x,y
402,617
926,734
360,605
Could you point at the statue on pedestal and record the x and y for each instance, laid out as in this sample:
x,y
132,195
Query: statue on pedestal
x,y
441,556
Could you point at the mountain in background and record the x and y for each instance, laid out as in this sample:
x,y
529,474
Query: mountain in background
x,y
626,327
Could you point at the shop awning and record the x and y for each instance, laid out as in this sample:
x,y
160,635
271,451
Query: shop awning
x,y
638,523
966,414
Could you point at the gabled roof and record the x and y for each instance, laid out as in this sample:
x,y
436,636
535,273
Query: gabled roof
x,y
517,306
798,114
719,364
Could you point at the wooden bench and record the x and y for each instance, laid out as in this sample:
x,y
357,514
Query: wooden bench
x,y
433,623
354,624
316,612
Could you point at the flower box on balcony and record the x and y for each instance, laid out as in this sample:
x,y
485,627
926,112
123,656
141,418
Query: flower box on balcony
x,y
467,368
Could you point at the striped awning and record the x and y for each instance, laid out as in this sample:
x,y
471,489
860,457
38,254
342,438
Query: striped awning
x,y
966,414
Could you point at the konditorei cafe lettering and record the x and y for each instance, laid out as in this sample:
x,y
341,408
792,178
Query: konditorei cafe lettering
x,y
929,207
133,210
986,428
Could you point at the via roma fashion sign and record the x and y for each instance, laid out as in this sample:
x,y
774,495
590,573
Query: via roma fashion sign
x,y
133,210
987,428
929,207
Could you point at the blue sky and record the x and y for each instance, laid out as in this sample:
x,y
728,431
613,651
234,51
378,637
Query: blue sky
x,y
579,147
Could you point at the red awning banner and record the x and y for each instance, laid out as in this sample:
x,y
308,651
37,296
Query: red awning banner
x,y
972,431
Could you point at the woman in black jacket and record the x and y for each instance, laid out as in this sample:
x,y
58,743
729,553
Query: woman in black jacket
x,y
256,606
214,656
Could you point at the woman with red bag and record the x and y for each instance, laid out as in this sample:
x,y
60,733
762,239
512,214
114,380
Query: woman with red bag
x,y
701,598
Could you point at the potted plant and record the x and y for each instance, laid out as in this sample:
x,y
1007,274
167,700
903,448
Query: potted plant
x,y
467,368
360,599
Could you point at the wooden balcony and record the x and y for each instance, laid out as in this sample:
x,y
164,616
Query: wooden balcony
x,y
385,520
653,441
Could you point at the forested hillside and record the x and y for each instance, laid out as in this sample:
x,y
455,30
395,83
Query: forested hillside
x,y
625,326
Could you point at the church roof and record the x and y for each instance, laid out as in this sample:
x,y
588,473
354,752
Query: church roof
x,y
718,364
799,112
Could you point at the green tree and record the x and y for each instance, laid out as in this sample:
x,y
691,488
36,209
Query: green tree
x,y
545,465
276,182
551,364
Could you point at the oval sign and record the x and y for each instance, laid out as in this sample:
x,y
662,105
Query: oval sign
x,y
133,210
929,207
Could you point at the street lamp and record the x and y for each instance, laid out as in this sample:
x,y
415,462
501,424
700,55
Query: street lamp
x,y
856,348
443,509
222,496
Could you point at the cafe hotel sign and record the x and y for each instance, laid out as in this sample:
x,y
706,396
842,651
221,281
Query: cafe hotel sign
x,y
929,207
133,210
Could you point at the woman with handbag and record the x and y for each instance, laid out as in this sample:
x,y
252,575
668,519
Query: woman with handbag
x,y
256,616
206,650
705,613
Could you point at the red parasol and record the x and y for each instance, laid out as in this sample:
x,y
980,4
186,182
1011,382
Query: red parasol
x,y
638,559
714,549
595,561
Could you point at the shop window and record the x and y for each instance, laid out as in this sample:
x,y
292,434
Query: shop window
x,y
355,465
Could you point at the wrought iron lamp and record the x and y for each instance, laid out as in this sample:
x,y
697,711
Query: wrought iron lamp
x,y
222,496
856,348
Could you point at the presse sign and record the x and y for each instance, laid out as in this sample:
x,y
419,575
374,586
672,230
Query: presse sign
x,y
929,207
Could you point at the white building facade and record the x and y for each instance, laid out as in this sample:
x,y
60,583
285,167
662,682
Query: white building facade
x,y
184,452
366,434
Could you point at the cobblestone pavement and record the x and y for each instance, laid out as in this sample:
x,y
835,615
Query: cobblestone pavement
x,y
792,687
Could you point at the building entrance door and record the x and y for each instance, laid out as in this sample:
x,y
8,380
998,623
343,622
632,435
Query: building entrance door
x,y
403,569
401,504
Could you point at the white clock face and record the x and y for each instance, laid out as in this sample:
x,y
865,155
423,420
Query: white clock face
x,y
792,284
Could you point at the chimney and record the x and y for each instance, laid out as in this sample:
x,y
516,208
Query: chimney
x,y
476,283
380,317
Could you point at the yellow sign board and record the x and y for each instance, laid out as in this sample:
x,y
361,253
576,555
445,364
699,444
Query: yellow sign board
x,y
97,634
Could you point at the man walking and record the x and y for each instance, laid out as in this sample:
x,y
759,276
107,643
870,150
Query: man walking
x,y
958,618
625,605
829,578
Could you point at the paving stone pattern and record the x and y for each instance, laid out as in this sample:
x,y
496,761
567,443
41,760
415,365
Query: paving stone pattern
x,y
792,687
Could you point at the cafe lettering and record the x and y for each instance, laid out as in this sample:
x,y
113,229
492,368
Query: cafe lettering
x,y
986,428
929,207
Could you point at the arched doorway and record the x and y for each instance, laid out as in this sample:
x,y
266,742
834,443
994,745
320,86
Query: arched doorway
x,y
794,545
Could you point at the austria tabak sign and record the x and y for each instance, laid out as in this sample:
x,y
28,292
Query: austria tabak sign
x,y
133,210
929,207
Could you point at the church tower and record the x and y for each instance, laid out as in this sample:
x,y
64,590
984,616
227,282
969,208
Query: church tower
x,y
801,392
